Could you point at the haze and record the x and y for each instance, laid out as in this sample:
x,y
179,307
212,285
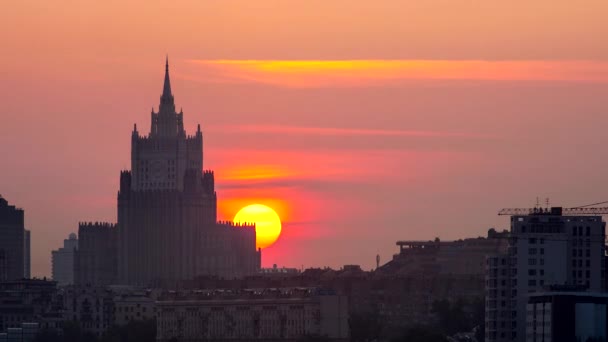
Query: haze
x,y
360,123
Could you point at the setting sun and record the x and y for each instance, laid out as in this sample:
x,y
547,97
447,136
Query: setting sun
x,y
267,223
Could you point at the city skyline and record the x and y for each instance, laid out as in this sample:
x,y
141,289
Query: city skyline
x,y
396,134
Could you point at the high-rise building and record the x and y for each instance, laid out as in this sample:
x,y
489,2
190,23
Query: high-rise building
x,y
567,316
26,254
62,261
167,209
12,242
545,249
95,260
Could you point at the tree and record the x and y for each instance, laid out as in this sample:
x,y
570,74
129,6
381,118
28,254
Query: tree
x,y
365,327
421,334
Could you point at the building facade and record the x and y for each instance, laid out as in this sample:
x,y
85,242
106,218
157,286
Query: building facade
x,y
95,261
62,261
545,249
29,301
459,258
167,209
567,316
260,314
12,242
89,305
27,254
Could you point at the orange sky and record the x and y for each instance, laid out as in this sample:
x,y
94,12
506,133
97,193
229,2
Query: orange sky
x,y
360,122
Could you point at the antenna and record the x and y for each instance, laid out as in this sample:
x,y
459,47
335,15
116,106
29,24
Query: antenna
x,y
377,261
537,202
547,202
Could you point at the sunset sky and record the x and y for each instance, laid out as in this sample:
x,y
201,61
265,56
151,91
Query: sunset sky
x,y
360,122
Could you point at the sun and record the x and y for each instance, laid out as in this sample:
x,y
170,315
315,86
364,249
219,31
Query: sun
x,y
267,223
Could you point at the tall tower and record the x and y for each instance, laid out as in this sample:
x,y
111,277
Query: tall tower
x,y
167,223
12,242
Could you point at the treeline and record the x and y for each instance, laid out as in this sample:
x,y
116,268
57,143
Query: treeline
x,y
451,317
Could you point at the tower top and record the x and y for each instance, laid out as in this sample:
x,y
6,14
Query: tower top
x,y
167,84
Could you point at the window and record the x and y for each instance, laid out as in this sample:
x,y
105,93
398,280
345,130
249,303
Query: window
x,y
532,241
587,274
542,272
588,253
573,263
588,263
532,272
542,251
532,282
588,231
532,251
531,262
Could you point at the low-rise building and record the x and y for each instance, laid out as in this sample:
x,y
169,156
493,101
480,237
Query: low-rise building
x,y
29,301
133,307
252,314
91,306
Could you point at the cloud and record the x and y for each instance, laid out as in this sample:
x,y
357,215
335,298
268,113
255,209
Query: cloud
x,y
356,73
333,131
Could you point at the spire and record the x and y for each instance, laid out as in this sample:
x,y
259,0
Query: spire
x,y
167,85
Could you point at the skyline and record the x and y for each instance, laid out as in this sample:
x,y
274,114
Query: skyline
x,y
404,157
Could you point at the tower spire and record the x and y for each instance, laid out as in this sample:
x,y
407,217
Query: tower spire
x,y
167,85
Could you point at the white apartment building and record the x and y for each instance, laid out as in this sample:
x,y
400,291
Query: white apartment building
x,y
545,248
62,261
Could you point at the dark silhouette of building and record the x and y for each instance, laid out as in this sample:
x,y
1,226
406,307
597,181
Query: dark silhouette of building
x,y
167,209
26,254
29,301
12,242
95,260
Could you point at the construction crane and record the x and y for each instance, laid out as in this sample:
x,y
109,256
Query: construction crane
x,y
554,211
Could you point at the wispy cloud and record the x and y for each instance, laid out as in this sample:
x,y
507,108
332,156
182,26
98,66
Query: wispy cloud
x,y
352,73
339,131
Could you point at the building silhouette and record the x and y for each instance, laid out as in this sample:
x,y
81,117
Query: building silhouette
x,y
96,258
62,261
14,263
546,249
167,209
27,236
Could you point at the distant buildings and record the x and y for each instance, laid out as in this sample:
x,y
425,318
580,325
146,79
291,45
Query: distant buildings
x,y
91,306
29,301
14,243
460,257
96,257
62,261
545,249
279,271
252,314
